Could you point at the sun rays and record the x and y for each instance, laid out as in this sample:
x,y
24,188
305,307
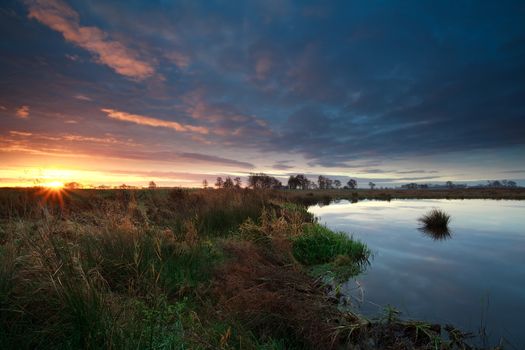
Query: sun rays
x,y
54,185
53,192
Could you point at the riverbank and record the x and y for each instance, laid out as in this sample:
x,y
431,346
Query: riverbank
x,y
311,197
179,269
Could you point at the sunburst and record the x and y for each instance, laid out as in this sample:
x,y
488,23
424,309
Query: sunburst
x,y
53,192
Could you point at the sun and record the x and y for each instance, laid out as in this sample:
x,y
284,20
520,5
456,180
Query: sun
x,y
54,185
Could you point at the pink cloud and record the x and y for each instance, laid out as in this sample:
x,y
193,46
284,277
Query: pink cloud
x,y
149,121
60,17
82,97
20,133
263,67
22,112
180,59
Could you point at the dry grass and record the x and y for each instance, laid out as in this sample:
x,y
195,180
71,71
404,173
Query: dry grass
x,y
170,270
275,298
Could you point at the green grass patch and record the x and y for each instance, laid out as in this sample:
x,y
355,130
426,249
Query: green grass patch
x,y
332,255
320,245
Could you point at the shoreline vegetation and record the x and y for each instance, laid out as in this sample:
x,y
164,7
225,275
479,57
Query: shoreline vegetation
x,y
311,197
192,269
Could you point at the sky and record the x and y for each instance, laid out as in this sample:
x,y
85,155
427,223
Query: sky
x,y
111,92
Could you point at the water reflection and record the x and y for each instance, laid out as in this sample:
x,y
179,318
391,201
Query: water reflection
x,y
436,233
449,281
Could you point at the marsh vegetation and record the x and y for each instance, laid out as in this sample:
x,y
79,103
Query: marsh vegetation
x,y
435,223
178,269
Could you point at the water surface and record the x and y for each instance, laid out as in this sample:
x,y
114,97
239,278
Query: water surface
x,y
475,279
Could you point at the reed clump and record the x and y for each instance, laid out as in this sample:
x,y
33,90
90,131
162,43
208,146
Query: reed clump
x,y
435,220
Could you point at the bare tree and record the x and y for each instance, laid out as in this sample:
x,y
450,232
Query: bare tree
x,y
205,184
219,183
325,183
293,183
302,181
263,181
228,183
238,182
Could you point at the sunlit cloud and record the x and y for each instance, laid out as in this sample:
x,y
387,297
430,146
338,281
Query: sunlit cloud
x,y
85,146
149,121
60,17
209,90
20,133
22,112
83,97
41,176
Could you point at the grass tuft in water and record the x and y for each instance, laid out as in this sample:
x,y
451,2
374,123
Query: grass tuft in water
x,y
319,245
435,219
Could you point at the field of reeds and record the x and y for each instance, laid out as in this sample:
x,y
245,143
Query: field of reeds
x,y
310,197
181,269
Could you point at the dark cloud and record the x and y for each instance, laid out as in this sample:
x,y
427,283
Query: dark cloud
x,y
339,84
514,171
282,165
417,172
215,159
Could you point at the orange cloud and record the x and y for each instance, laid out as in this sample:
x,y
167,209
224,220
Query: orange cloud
x,y
60,17
20,133
22,112
149,121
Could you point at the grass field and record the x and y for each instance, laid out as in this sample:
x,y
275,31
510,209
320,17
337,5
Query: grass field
x,y
182,269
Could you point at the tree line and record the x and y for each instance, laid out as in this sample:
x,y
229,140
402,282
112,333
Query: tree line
x,y
323,183
299,181
227,183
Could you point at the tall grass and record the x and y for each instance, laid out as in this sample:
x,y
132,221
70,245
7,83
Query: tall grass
x,y
167,269
123,269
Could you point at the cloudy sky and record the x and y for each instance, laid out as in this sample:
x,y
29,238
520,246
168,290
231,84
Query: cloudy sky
x,y
111,92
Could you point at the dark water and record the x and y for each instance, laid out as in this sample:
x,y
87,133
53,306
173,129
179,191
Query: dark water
x,y
474,279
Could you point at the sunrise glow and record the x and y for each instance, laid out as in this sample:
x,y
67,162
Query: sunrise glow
x,y
314,89
53,185
235,162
